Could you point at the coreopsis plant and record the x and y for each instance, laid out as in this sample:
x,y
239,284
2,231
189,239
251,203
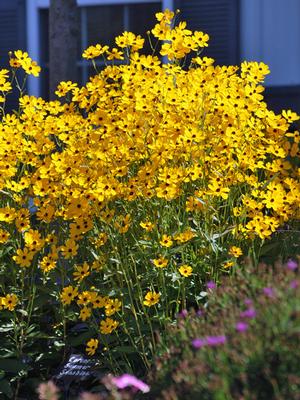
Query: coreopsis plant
x,y
121,201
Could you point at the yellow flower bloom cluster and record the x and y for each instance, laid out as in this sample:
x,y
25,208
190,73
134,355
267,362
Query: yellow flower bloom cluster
x,y
23,60
83,179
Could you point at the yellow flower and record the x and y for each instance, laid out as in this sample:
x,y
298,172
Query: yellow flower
x,y
166,241
101,239
193,204
92,346
70,248
47,264
123,223
184,236
85,313
81,272
108,326
31,67
7,214
99,301
33,240
23,257
84,298
68,295
235,251
290,116
147,225
112,307
151,298
10,301
228,264
185,270
4,236
14,63
98,265
160,262
64,87
201,38
115,54
94,51
2,302
22,220
21,55
165,16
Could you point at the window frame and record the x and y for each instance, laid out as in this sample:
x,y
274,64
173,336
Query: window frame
x,y
32,28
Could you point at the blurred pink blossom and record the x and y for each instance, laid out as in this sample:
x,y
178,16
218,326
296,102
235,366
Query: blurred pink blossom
x,y
48,391
126,380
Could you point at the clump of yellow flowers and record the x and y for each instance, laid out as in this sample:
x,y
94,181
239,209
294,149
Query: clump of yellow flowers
x,y
141,184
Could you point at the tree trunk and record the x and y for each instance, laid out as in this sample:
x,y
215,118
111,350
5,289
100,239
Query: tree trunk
x,y
63,39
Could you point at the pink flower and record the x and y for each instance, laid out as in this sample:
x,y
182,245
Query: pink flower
x,y
215,340
198,343
268,291
241,326
48,391
294,284
90,396
209,341
211,285
183,314
250,313
248,302
123,381
292,265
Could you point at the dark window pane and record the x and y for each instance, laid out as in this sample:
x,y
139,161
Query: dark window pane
x,y
142,19
44,82
44,35
104,23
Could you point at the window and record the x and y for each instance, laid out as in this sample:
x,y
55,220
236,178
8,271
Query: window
x,y
100,22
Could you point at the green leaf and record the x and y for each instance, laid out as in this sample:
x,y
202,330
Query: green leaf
x,y
2,374
80,339
23,312
6,327
125,349
267,248
5,388
12,365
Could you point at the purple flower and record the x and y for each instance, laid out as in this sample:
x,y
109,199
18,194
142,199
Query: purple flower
x,y
211,285
126,380
268,291
198,343
250,313
199,313
292,265
215,340
241,326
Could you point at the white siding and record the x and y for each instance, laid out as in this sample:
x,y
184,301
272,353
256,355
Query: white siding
x,y
270,32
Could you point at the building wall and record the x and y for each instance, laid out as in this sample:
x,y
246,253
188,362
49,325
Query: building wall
x,y
270,32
